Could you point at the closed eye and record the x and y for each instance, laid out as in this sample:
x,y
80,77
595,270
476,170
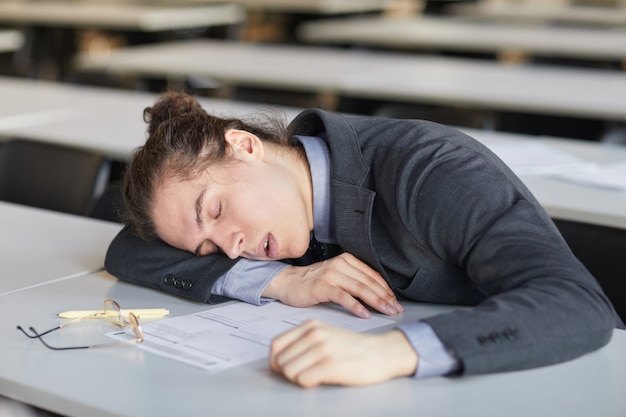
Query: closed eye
x,y
207,247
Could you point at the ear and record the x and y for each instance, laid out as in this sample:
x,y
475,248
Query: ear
x,y
244,143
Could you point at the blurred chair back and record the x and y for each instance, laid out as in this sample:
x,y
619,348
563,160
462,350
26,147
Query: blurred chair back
x,y
53,177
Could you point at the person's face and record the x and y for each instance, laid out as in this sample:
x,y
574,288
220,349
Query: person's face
x,y
255,206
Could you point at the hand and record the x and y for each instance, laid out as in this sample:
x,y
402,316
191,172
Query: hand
x,y
315,353
341,280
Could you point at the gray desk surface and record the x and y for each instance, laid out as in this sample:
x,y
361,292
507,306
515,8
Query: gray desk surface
x,y
126,381
10,40
38,246
575,92
106,120
543,12
421,32
119,15
310,6
109,121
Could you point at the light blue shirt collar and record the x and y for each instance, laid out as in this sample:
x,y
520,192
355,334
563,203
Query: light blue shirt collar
x,y
318,155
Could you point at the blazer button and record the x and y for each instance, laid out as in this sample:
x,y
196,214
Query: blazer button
x,y
169,279
187,284
178,283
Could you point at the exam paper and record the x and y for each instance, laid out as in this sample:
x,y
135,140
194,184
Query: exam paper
x,y
237,333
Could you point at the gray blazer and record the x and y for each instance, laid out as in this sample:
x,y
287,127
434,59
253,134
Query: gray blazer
x,y
444,221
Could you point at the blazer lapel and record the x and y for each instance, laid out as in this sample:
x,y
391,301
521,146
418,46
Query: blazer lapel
x,y
353,215
352,203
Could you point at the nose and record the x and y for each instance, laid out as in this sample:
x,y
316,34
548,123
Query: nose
x,y
232,244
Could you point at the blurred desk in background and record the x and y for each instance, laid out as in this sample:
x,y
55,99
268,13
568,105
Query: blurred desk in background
x,y
576,15
310,6
109,121
385,76
145,16
51,26
106,120
462,35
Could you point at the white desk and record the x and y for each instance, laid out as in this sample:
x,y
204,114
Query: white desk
x,y
310,6
105,120
127,381
10,40
119,15
548,12
596,94
53,24
39,246
466,35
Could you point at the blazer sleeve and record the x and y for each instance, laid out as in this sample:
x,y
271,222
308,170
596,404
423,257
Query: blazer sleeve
x,y
160,266
541,306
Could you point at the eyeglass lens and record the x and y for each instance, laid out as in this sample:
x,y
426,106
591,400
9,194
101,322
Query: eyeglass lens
x,y
114,313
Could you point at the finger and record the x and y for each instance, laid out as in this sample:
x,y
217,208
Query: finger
x,y
368,271
303,355
356,285
345,299
385,304
308,370
311,376
286,341
371,278
345,272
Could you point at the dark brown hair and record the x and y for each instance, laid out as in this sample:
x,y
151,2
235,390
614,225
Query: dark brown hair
x,y
182,140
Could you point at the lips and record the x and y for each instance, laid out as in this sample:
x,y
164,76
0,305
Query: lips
x,y
266,246
270,247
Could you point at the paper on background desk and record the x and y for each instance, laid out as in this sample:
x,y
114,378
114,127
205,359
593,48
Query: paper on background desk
x,y
535,158
611,176
526,158
237,333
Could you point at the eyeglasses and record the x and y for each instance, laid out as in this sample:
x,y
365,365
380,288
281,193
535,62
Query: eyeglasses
x,y
111,312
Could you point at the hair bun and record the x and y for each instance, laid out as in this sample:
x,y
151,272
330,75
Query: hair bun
x,y
169,106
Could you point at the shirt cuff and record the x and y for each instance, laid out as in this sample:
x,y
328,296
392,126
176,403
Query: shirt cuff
x,y
433,357
247,280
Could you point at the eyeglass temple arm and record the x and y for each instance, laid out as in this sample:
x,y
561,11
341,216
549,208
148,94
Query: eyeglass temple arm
x,y
60,326
139,339
37,335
